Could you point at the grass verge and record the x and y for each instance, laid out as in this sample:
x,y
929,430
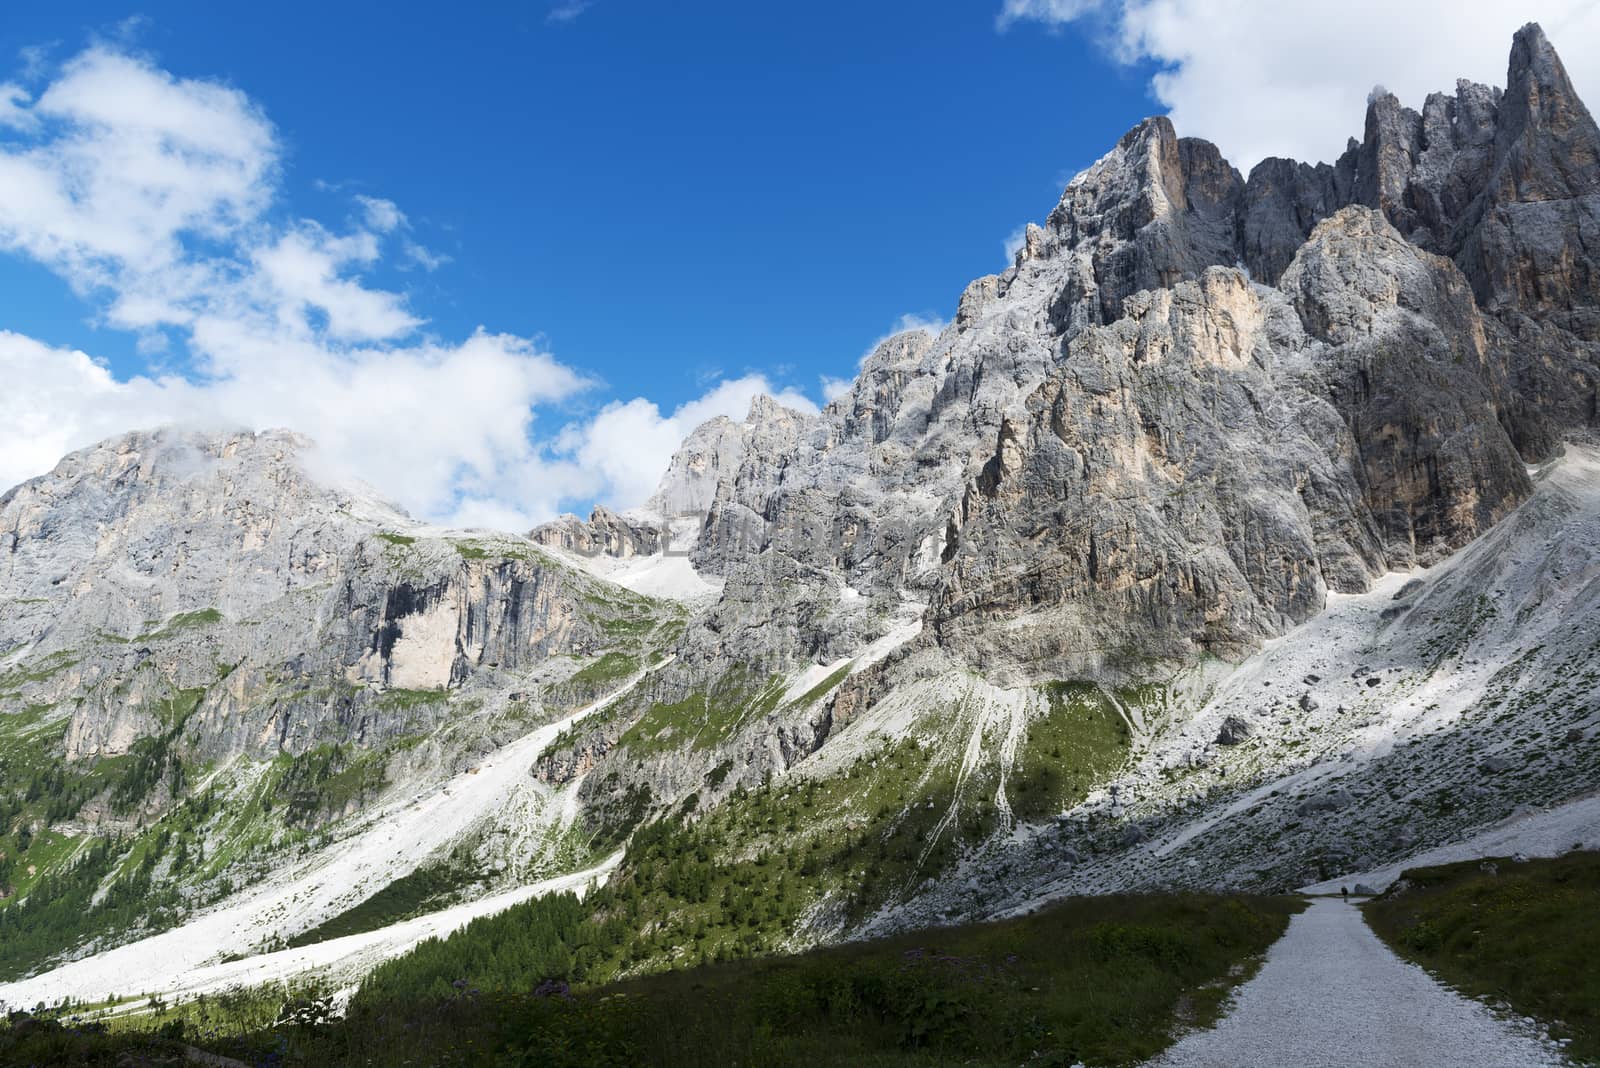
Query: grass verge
x,y
1526,933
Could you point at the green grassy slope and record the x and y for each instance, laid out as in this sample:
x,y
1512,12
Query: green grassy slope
x,y
1523,933
1106,981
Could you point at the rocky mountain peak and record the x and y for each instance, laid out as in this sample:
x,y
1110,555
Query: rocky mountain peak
x,y
169,503
1127,224
710,453
1539,92
1389,148
1548,147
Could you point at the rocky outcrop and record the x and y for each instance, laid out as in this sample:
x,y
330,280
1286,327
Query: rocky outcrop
x,y
1146,452
1198,474
204,586
605,534
1422,384
1153,212
755,495
711,453
1505,183
1533,222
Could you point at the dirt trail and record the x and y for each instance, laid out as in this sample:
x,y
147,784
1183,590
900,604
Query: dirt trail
x,y
1331,995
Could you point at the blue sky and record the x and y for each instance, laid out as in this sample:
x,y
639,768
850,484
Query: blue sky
x,y
640,203
665,192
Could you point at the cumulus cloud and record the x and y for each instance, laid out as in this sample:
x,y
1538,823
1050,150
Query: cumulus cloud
x,y
56,400
154,197
303,270
1265,78
382,215
159,200
121,163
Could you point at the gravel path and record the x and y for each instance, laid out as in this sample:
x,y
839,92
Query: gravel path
x,y
1332,996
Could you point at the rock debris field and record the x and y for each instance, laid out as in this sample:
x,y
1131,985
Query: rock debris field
x,y
1332,996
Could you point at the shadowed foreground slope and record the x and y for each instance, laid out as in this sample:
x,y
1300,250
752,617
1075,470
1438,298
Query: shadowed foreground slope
x,y
1100,980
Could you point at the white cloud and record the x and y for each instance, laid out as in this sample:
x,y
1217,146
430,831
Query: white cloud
x,y
127,159
568,11
443,429
1266,78
56,400
154,196
427,259
630,443
303,271
834,388
382,215
1050,12
159,200
1014,242
385,217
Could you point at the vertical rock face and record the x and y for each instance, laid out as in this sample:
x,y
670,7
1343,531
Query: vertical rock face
x,y
1406,358
1153,212
1129,436
1196,475
210,570
757,494
1282,202
1389,149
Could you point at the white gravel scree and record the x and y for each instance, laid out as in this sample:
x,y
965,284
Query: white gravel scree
x,y
1332,996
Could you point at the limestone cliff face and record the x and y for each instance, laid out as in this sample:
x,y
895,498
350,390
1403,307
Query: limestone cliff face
x,y
1197,475
204,585
1196,402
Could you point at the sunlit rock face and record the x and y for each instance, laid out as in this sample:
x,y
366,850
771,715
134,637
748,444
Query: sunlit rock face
x,y
167,569
1197,401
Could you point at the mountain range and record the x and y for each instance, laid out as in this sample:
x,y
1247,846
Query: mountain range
x,y
1244,533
